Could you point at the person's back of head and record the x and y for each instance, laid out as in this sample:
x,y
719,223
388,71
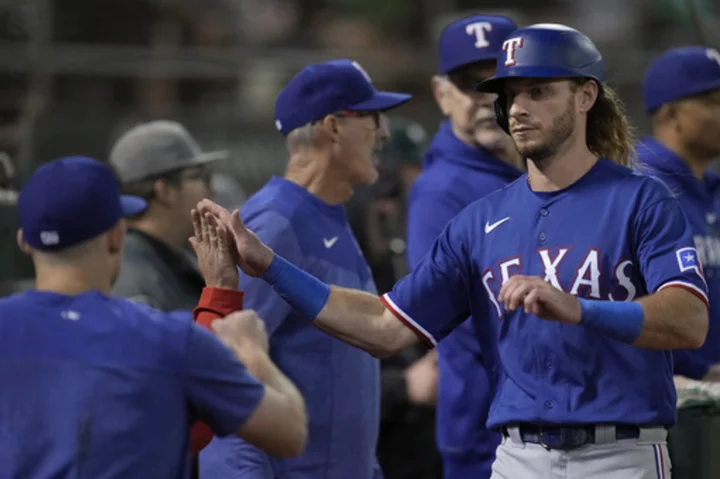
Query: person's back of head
x,y
71,223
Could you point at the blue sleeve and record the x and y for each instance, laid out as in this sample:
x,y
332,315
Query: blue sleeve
x,y
428,213
666,251
275,231
435,297
688,363
220,390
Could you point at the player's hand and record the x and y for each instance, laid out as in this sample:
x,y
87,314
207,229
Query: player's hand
x,y
215,250
421,379
242,330
253,256
537,296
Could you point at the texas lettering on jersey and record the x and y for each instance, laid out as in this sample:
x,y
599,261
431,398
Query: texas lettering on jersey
x,y
585,282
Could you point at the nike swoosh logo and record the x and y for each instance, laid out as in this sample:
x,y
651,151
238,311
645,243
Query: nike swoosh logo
x,y
330,242
489,227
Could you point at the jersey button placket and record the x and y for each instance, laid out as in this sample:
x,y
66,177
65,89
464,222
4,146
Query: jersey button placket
x,y
543,213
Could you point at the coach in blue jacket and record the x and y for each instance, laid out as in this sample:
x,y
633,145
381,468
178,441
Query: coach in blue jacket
x,y
469,158
682,93
330,114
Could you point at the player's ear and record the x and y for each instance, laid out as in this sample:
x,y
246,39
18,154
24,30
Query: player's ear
x,y
116,237
588,96
20,238
441,92
330,125
666,116
163,192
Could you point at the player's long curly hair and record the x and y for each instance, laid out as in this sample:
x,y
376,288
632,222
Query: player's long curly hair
x,y
609,133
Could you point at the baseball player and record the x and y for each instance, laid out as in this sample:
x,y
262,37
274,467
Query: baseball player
x,y
330,115
470,157
682,93
581,277
100,387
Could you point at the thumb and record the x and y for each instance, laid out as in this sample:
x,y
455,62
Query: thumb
x,y
237,225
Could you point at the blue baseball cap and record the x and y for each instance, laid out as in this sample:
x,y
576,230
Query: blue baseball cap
x,y
473,39
71,200
679,73
324,88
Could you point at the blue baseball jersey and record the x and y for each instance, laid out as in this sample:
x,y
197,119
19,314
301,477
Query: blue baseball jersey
x,y
455,175
700,202
340,383
612,235
94,386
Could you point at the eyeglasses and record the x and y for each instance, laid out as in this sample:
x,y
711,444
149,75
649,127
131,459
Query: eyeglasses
x,y
361,114
197,173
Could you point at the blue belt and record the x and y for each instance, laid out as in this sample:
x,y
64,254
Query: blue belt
x,y
568,437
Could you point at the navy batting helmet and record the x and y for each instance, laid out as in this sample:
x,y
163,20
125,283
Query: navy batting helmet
x,y
545,50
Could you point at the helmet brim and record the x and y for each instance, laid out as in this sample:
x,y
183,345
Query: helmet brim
x,y
496,84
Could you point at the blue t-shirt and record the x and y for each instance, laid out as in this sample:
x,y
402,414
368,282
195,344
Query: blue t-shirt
x,y
612,235
701,204
94,386
340,383
455,175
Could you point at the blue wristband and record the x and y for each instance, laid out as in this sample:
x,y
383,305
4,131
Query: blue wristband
x,y
622,320
301,290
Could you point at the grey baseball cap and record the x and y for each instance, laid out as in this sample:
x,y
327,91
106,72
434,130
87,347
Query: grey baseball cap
x,y
157,147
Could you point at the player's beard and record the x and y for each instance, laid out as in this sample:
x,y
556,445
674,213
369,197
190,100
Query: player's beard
x,y
560,131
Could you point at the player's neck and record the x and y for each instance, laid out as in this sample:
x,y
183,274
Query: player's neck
x,y
698,164
568,165
71,280
161,229
319,180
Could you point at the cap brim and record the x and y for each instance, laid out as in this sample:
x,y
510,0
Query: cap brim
x,y
495,84
382,101
132,205
209,157
700,89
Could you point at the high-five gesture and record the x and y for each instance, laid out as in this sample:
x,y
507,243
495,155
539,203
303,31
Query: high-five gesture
x,y
254,256
215,250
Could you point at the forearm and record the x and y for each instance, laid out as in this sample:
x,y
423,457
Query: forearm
x,y
669,319
356,317
674,319
362,320
261,366
214,303
217,303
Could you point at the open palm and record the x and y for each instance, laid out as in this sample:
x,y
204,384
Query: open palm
x,y
253,256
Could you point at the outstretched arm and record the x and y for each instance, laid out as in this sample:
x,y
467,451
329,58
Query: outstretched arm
x,y
361,319
379,326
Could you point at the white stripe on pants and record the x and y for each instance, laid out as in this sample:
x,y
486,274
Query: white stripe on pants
x,y
642,458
